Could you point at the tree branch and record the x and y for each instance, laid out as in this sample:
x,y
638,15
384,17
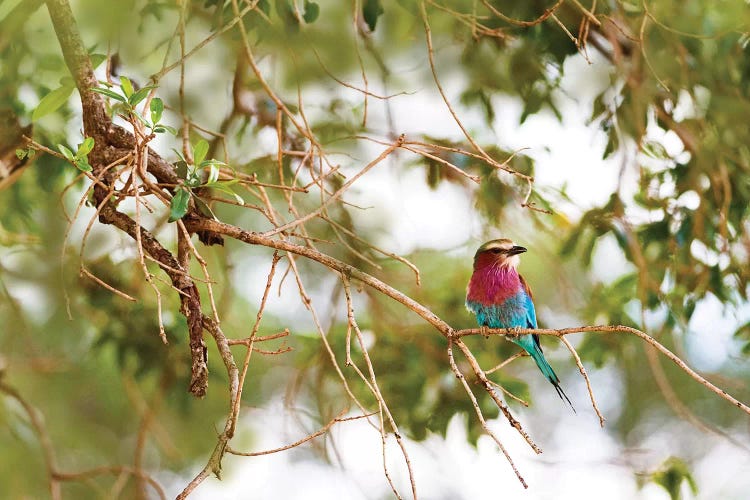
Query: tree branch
x,y
110,142
611,329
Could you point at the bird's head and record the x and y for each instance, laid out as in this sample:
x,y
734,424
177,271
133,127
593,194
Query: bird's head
x,y
499,253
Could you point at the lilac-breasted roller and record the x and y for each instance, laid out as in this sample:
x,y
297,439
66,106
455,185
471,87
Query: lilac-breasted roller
x,y
500,298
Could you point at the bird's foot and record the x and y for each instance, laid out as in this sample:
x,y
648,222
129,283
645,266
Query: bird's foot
x,y
483,331
513,332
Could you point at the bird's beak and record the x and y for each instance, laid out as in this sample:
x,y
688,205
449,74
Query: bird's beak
x,y
515,250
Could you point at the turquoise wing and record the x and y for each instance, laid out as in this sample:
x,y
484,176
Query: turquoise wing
x,y
529,304
530,312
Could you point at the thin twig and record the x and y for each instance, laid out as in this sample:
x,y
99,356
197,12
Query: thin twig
x,y
37,423
480,415
585,377
373,384
338,193
319,432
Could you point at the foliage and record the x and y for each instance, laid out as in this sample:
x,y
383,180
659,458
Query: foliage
x,y
673,473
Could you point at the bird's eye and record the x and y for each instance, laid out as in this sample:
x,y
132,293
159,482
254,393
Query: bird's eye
x,y
496,250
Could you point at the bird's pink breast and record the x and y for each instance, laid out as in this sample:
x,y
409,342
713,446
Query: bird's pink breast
x,y
493,284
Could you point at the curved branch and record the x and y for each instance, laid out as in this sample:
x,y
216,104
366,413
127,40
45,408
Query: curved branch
x,y
198,223
561,332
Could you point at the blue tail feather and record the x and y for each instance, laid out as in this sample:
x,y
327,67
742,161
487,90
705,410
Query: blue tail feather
x,y
530,346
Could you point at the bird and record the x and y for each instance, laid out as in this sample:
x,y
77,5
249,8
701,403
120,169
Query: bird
x,y
499,297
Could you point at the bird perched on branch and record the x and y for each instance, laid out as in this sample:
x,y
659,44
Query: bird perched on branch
x,y
500,298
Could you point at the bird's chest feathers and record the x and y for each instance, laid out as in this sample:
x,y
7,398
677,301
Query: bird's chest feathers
x,y
493,285
497,297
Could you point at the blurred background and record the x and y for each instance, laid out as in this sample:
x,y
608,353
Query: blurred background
x,y
631,117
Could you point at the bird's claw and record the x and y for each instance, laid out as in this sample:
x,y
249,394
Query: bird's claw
x,y
513,332
483,331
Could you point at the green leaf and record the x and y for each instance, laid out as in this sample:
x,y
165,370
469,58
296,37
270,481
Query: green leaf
x,y
85,147
165,128
179,155
181,167
127,86
52,102
613,143
66,152
671,476
21,153
208,163
109,93
199,152
179,206
142,120
204,208
655,150
194,178
67,81
371,10
225,189
97,59
83,165
213,174
140,95
157,108
312,11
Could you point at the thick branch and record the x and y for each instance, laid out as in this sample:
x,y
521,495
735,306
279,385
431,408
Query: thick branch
x,y
110,142
95,119
189,296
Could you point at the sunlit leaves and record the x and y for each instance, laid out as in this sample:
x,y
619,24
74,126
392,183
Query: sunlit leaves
x,y
157,108
202,173
224,188
56,98
129,100
80,157
110,93
199,151
126,85
67,153
86,146
25,153
140,95
165,128
52,101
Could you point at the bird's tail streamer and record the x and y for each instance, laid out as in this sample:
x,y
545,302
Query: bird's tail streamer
x,y
549,373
